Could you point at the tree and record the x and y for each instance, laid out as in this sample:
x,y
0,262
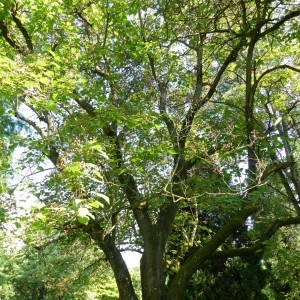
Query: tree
x,y
53,267
157,116
280,259
241,278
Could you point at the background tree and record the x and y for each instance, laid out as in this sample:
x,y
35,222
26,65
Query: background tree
x,y
53,267
159,118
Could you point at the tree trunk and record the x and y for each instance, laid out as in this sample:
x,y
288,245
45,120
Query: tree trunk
x,y
152,268
117,263
123,278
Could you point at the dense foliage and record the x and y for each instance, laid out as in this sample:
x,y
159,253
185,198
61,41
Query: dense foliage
x,y
56,270
166,127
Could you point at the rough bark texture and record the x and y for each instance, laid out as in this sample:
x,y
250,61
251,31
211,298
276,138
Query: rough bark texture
x,y
152,276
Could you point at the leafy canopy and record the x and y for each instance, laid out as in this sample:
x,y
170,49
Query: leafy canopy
x,y
165,127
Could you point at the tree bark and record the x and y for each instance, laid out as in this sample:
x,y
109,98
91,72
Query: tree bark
x,y
117,263
152,267
122,276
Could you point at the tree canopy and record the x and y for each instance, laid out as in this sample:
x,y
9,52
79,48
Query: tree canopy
x,y
166,127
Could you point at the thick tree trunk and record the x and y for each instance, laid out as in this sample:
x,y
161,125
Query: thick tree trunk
x,y
152,269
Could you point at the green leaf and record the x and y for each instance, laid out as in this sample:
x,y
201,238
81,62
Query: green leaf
x,y
44,80
172,151
98,174
96,204
83,220
41,217
104,197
